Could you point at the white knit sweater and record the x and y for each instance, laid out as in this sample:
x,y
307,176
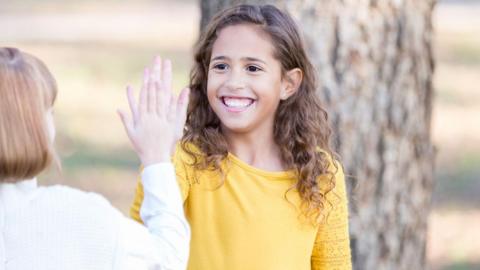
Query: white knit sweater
x,y
63,228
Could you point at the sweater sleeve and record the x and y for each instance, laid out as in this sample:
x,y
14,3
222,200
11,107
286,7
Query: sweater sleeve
x,y
166,243
181,176
332,245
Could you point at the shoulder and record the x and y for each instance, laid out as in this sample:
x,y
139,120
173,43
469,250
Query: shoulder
x,y
185,156
77,214
75,194
78,202
85,224
186,152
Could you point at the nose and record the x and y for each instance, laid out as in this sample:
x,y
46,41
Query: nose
x,y
235,80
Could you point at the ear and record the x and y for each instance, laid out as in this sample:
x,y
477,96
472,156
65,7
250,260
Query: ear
x,y
290,83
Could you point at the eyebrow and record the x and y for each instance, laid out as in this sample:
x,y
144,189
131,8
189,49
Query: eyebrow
x,y
252,59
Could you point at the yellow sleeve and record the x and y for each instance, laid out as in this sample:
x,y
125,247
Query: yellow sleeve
x,y
182,179
332,245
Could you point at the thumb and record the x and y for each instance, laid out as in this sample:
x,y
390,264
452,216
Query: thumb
x,y
127,123
182,105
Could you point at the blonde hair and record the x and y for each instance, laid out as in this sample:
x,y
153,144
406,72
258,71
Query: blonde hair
x,y
27,91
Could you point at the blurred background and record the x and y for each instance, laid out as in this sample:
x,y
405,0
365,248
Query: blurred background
x,y
96,48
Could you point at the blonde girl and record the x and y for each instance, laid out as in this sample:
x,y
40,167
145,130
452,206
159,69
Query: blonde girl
x,y
57,227
261,187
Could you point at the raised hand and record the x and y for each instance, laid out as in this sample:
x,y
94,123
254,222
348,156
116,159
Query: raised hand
x,y
158,118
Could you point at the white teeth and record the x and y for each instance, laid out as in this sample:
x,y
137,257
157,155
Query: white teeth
x,y
237,102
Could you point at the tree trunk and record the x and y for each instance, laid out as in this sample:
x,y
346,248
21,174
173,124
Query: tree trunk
x,y
375,67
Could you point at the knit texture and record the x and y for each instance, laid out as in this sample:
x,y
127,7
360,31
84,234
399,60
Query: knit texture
x,y
58,228
50,228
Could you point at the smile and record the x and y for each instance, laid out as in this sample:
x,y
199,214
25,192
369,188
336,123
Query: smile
x,y
237,104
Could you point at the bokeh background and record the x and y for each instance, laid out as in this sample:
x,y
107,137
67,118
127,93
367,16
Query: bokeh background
x,y
96,48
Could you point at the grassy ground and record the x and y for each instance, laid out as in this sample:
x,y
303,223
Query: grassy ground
x,y
96,48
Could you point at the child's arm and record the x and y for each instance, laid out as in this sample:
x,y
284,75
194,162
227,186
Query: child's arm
x,y
183,183
165,244
152,130
332,246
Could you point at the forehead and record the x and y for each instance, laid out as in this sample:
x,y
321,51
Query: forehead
x,y
244,40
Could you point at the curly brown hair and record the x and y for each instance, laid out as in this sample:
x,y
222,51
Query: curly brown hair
x,y
301,128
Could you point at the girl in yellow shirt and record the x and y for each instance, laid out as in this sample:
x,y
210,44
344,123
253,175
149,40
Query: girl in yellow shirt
x,y
261,187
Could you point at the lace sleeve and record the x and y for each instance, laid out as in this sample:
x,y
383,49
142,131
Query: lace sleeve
x,y
332,245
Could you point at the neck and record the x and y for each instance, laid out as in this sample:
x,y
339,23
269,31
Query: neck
x,y
28,183
257,149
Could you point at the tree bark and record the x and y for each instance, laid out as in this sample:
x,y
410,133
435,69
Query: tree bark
x,y
375,66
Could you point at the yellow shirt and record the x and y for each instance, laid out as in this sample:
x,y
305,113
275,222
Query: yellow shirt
x,y
247,223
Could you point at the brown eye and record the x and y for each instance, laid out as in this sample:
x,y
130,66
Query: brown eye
x,y
220,66
253,68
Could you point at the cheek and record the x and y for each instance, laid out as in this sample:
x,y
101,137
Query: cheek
x,y
210,91
212,99
213,84
269,87
50,127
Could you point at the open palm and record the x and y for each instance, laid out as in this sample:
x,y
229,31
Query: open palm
x,y
158,118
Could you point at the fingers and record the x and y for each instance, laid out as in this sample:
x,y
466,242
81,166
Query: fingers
x,y
181,110
167,79
152,93
164,90
132,104
183,99
157,68
142,104
172,110
160,103
156,93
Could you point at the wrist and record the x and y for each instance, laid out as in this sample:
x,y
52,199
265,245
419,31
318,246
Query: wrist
x,y
147,161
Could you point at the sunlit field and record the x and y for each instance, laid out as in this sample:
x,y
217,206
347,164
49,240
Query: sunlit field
x,y
96,48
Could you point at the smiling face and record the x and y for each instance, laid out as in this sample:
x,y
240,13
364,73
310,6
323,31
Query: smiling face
x,y
244,79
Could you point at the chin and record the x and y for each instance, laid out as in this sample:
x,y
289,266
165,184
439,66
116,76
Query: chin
x,y
236,127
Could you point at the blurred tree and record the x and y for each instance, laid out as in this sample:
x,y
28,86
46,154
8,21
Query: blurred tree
x,y
375,65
